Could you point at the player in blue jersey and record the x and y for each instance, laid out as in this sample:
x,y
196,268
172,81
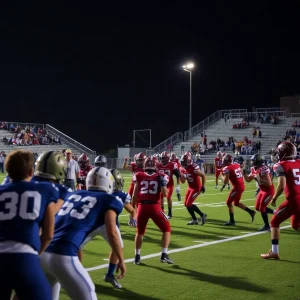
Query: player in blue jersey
x,y
51,166
126,199
24,207
83,212
6,180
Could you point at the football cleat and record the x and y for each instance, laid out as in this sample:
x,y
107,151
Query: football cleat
x,y
264,228
137,259
113,281
270,255
229,223
193,222
216,187
253,216
166,259
203,219
169,217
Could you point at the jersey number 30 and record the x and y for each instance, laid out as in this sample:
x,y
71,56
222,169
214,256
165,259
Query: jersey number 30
x,y
26,211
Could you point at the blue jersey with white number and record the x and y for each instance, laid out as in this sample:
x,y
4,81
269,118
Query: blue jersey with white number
x,y
62,189
6,180
125,197
22,208
82,212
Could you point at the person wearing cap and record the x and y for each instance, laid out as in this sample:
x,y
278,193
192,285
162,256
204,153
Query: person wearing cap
x,y
73,170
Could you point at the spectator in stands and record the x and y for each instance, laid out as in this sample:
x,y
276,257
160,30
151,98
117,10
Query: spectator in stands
x,y
73,170
2,158
182,148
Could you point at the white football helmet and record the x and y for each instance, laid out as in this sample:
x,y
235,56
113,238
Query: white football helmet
x,y
100,179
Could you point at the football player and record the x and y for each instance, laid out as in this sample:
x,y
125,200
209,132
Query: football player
x,y
113,259
191,172
200,162
101,161
83,212
175,160
287,170
135,166
239,159
261,173
26,206
170,169
85,167
218,167
149,184
232,171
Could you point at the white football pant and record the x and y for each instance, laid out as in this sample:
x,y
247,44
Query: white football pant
x,y
102,232
68,272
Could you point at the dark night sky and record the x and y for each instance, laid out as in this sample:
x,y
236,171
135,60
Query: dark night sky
x,y
90,69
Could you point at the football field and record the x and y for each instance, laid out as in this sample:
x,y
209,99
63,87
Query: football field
x,y
211,261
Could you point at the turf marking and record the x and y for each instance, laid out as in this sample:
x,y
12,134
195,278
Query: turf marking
x,y
189,248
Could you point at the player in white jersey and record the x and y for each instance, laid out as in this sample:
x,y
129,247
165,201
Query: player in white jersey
x,y
82,212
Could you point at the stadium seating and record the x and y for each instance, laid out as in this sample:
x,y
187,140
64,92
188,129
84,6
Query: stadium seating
x,y
271,134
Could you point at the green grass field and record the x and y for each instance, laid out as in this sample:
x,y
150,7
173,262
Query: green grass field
x,y
209,264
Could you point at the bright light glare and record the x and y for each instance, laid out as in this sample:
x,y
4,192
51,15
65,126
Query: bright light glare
x,y
188,66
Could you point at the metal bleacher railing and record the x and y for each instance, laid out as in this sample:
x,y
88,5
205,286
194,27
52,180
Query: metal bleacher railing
x,y
71,142
176,138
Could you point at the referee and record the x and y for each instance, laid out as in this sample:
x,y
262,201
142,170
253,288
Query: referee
x,y
72,175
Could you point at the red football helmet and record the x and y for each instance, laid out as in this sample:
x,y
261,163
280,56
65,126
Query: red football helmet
x,y
285,151
134,158
227,160
186,160
83,161
219,154
188,153
140,159
150,163
165,157
173,156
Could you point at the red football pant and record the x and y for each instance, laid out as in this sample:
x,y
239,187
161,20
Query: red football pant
x,y
217,172
131,187
170,192
234,197
190,196
263,199
285,211
154,212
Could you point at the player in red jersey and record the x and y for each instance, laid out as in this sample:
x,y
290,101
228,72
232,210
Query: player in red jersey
x,y
136,166
218,167
170,169
148,186
232,172
288,172
175,160
85,167
191,172
261,173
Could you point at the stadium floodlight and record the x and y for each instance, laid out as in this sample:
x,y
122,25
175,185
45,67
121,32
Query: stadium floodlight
x,y
188,68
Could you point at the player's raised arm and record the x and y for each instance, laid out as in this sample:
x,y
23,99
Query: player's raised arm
x,y
125,164
114,240
48,226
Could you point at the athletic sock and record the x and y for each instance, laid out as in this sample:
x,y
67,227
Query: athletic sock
x,y
231,217
264,216
275,246
111,269
192,213
197,210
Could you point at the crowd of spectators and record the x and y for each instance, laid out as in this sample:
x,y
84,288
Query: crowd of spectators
x,y
241,125
28,136
256,132
268,118
244,147
292,136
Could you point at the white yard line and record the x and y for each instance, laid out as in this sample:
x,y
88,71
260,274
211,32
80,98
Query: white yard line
x,y
189,248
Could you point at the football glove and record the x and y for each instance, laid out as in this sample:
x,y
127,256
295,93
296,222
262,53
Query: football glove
x,y
203,189
177,189
132,223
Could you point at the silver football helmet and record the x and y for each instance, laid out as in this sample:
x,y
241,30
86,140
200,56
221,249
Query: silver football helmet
x,y
100,179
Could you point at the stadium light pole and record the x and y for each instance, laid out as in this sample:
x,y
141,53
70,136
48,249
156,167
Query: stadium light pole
x,y
188,68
